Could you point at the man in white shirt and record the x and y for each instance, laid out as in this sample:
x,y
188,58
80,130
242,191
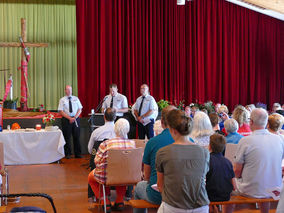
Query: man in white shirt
x,y
103,132
258,160
116,101
144,113
100,134
70,108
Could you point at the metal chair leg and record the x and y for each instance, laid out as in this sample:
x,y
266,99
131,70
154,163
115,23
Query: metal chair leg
x,y
104,193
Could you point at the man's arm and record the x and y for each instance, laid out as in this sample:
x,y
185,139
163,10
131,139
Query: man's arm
x,y
147,172
124,110
238,169
160,181
150,112
64,115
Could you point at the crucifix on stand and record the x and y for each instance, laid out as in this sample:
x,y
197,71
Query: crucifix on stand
x,y
24,61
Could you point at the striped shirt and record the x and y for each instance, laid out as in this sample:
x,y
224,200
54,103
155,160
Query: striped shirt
x,y
102,155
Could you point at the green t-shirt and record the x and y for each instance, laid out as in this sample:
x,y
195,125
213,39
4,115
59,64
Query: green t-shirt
x,y
184,168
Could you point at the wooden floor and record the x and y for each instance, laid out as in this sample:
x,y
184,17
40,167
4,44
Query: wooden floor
x,y
65,182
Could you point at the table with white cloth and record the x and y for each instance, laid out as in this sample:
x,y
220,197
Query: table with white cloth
x,y
32,147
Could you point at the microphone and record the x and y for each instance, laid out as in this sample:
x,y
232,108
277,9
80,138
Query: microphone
x,y
91,119
101,103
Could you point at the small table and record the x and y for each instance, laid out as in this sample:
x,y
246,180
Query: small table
x,y
32,147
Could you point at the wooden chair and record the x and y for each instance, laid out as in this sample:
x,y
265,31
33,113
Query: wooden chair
x,y
140,143
231,151
123,168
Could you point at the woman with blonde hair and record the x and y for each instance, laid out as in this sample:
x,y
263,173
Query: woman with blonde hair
x,y
241,115
275,122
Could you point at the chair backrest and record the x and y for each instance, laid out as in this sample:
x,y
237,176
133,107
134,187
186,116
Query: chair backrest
x,y
1,158
231,151
124,166
140,143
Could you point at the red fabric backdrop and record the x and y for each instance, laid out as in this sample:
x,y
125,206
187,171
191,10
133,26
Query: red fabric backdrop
x,y
205,50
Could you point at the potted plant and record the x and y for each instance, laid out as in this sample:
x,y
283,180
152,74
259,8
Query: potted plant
x,y
162,104
10,104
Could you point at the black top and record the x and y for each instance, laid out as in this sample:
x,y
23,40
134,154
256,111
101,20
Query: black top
x,y
219,178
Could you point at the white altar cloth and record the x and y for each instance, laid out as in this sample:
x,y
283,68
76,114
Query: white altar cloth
x,y
32,147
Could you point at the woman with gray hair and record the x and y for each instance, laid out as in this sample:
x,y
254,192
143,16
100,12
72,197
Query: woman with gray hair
x,y
241,115
202,129
232,126
98,175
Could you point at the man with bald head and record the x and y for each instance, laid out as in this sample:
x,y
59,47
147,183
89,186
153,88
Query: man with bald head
x,y
258,160
70,108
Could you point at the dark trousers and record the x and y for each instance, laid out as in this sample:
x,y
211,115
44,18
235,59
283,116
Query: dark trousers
x,y
146,130
68,130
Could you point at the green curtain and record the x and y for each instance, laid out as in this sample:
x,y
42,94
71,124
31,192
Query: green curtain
x,y
51,68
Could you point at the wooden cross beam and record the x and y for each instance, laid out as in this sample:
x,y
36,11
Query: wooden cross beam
x,y
24,62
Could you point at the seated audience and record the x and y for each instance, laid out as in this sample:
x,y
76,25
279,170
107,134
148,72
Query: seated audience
x,y
158,127
258,160
100,134
241,115
181,169
217,105
187,111
214,119
194,110
231,127
143,190
281,112
250,107
98,175
275,107
223,114
202,129
103,132
220,178
275,122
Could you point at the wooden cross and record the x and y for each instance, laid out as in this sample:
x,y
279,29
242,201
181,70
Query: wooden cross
x,y
24,71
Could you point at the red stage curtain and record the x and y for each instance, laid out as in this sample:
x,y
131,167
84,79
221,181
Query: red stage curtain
x,y
205,50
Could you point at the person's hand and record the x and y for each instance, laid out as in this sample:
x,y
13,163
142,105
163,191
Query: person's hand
x,y
72,120
140,119
224,116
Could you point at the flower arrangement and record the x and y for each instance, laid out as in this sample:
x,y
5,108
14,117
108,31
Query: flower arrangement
x,y
48,119
208,106
180,105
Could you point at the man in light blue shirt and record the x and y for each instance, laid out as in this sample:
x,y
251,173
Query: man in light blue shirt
x,y
144,112
70,108
258,160
116,101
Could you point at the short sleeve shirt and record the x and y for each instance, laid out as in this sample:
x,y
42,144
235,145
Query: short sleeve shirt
x,y
184,168
261,155
64,105
149,158
219,178
119,102
149,103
